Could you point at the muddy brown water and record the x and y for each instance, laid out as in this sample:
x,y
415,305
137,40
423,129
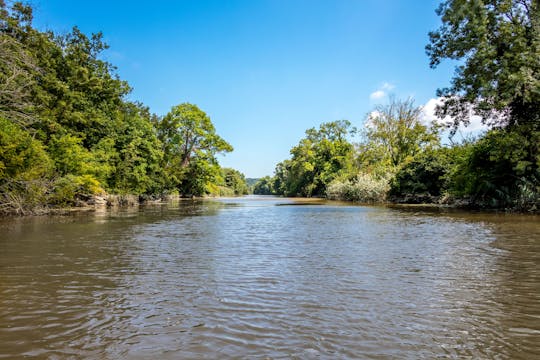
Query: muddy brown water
x,y
263,278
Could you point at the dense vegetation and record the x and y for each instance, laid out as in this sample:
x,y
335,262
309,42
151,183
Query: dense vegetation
x,y
399,158
68,132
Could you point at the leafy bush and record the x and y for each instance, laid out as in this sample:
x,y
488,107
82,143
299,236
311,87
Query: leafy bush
x,y
426,174
21,156
501,170
264,186
365,188
70,189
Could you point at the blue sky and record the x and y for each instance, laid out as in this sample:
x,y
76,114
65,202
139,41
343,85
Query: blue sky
x,y
264,71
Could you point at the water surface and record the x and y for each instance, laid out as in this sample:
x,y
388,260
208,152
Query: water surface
x,y
265,278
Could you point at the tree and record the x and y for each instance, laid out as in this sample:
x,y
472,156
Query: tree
x,y
498,45
190,142
501,170
16,81
425,175
319,158
235,180
25,170
264,186
393,134
136,153
21,156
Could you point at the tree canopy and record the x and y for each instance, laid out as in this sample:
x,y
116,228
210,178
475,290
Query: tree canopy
x,y
497,44
321,156
67,130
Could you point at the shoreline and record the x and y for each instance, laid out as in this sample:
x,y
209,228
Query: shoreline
x,y
97,203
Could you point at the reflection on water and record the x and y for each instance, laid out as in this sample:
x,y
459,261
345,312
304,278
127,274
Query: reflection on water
x,y
246,278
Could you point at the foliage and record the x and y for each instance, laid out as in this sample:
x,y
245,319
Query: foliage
x,y
21,156
69,155
187,132
71,188
235,180
64,116
393,134
426,174
137,153
264,186
498,45
320,157
201,177
365,188
501,170
25,170
190,144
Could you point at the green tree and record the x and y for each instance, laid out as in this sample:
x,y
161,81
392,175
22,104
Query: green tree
x,y
319,158
235,180
426,175
137,154
264,186
21,156
25,170
190,144
501,170
394,134
498,45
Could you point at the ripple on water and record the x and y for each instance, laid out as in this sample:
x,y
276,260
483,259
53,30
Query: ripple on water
x,y
246,278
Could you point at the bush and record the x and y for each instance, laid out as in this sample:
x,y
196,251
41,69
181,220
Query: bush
x,y
24,197
501,170
226,191
71,189
365,188
264,186
426,174
21,156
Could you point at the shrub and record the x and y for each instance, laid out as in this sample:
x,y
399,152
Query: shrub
x,y
365,188
426,174
70,189
23,197
501,170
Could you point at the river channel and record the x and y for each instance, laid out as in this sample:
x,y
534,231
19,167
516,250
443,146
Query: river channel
x,y
270,278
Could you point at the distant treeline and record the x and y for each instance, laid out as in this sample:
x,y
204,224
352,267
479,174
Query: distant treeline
x,y
67,131
401,159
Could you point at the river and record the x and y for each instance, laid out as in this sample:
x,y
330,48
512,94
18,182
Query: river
x,y
270,278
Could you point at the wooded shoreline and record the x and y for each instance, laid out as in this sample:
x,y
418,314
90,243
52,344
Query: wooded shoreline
x,y
69,134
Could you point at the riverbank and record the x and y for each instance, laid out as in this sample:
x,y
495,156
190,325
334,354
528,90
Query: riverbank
x,y
96,203
86,204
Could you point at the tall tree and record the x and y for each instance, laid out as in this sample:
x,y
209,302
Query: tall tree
x,y
394,133
498,45
320,157
190,143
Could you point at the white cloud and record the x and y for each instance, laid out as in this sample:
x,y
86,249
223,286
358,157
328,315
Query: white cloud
x,y
368,123
428,116
382,91
377,95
